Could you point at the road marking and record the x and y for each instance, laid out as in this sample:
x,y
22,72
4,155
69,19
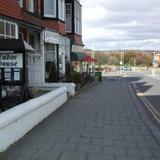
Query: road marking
x,y
147,104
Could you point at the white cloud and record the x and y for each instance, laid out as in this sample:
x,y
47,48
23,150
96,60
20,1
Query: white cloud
x,y
106,22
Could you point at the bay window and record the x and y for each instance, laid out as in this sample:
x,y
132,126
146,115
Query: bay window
x,y
61,9
20,3
8,29
68,17
31,5
50,8
78,19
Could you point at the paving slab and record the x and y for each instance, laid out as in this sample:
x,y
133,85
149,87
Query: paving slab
x,y
101,123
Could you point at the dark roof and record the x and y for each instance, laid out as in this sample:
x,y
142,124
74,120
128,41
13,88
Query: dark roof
x,y
16,45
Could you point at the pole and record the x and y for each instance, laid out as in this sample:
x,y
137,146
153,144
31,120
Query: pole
x,y
0,91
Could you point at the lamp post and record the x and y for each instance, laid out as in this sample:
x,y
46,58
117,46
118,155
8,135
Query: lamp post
x,y
121,56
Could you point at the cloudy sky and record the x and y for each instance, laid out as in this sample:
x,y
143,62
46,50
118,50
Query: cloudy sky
x,y
116,24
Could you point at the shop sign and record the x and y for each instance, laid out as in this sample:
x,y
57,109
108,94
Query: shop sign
x,y
76,48
51,37
11,60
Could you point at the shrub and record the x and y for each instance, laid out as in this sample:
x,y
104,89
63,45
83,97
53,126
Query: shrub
x,y
53,77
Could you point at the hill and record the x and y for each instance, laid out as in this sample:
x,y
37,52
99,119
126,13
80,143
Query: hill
x,y
130,57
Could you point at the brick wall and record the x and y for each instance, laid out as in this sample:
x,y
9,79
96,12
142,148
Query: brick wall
x,y
10,8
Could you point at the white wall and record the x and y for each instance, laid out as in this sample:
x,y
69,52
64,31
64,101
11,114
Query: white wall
x,y
16,122
36,64
70,86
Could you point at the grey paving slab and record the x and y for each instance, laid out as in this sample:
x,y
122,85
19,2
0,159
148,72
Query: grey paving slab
x,y
100,157
73,155
49,155
101,123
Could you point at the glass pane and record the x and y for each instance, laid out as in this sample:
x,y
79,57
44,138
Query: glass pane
x,y
13,30
31,6
49,8
1,27
2,36
31,40
8,32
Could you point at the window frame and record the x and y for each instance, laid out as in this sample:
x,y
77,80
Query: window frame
x,y
68,17
31,6
61,10
20,2
78,18
10,35
52,15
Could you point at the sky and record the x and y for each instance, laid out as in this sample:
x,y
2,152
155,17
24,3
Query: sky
x,y
121,24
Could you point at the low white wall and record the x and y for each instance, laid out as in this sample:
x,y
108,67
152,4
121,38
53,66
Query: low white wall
x,y
16,122
70,86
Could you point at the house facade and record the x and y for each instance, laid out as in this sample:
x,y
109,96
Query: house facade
x,y
43,25
74,28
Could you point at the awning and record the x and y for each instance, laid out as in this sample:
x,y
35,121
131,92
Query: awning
x,y
15,45
28,47
88,59
77,56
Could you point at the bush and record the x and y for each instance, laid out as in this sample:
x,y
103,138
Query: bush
x,y
53,73
76,77
99,75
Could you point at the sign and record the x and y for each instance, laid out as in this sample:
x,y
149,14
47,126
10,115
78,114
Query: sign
x,y
76,48
11,60
51,37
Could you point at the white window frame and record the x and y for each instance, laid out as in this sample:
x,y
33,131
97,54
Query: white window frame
x,y
31,5
78,19
10,36
52,15
61,10
20,3
68,18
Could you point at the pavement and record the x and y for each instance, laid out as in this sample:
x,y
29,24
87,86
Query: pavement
x,y
105,122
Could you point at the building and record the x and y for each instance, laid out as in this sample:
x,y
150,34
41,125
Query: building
x,y
41,23
74,29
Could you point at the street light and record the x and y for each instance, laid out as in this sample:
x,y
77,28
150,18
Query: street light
x,y
122,56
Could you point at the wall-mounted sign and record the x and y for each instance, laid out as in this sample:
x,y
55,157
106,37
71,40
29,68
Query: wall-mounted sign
x,y
11,60
51,37
76,48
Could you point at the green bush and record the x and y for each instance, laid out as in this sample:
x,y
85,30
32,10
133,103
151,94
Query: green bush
x,y
76,77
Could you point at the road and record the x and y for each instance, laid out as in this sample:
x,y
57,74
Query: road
x,y
147,87
104,122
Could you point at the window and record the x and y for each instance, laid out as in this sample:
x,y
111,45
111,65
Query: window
x,y
50,8
61,9
20,3
8,29
31,40
69,17
50,59
50,52
78,19
31,5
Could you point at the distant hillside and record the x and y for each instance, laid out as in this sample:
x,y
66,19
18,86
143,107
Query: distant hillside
x,y
141,58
